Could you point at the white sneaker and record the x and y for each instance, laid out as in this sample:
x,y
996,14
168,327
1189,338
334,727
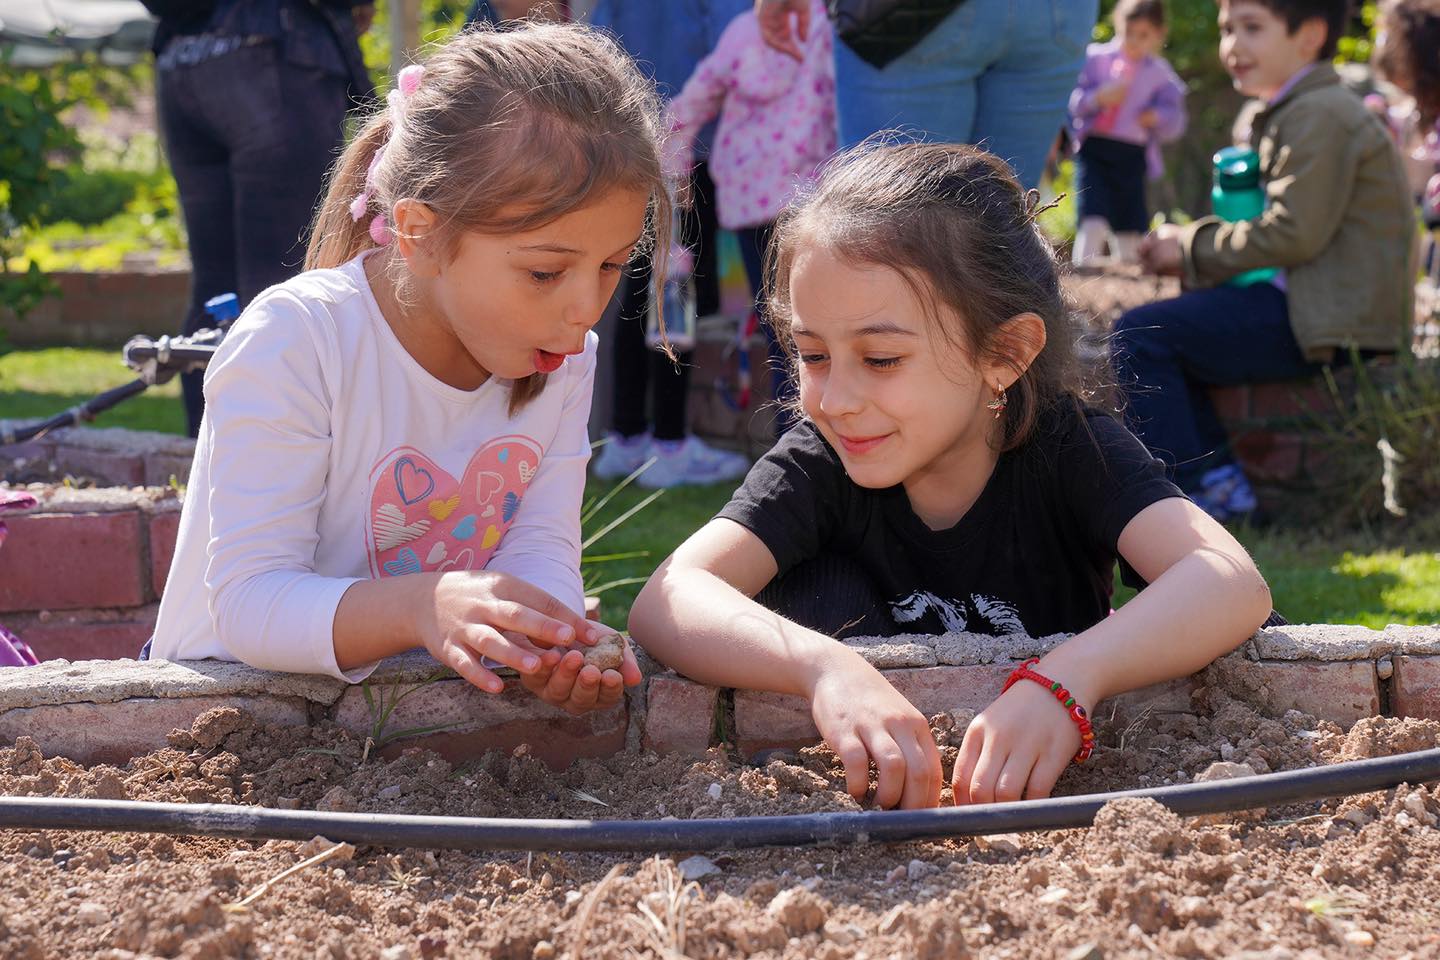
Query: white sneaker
x,y
689,461
620,456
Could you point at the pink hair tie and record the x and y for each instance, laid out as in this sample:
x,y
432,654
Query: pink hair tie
x,y
406,83
378,231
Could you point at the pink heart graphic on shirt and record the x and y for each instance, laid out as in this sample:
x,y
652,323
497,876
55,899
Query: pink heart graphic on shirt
x,y
419,509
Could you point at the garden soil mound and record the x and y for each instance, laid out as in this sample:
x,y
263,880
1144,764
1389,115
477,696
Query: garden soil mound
x,y
1353,877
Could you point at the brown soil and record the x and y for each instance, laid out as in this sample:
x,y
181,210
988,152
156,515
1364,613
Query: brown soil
x,y
1350,877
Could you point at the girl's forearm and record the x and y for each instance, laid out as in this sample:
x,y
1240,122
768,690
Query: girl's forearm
x,y
699,625
380,618
1203,607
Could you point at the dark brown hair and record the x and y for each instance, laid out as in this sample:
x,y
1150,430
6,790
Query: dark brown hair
x,y
1412,51
954,223
508,131
1335,13
1152,11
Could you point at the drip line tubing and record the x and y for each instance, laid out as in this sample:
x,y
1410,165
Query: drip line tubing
x,y
468,833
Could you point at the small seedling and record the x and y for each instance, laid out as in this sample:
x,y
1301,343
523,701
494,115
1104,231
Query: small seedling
x,y
381,706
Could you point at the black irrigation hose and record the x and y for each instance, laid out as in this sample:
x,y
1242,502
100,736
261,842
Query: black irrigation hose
x,y
464,833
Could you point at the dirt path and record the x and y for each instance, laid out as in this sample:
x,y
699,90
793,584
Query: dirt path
x,y
1358,877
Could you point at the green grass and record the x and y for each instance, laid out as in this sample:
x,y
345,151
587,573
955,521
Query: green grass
x,y
1341,579
1354,578
34,384
656,530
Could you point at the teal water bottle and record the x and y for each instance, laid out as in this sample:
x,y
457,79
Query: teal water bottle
x,y
1237,195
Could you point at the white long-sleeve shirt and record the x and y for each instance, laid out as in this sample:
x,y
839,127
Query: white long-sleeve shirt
x,y
329,455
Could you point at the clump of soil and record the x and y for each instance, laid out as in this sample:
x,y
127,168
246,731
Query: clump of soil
x,y
1317,879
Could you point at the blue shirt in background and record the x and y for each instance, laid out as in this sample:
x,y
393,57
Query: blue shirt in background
x,y
669,39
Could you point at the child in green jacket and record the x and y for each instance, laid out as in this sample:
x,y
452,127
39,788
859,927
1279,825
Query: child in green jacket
x,y
1338,225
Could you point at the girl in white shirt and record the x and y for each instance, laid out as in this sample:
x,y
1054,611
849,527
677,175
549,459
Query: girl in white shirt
x,y
394,448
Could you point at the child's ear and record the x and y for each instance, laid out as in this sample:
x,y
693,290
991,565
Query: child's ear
x,y
1311,35
1017,343
415,225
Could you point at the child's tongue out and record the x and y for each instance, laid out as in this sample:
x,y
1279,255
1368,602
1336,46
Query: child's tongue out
x,y
547,362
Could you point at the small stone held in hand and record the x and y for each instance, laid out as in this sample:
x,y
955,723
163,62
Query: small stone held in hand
x,y
607,654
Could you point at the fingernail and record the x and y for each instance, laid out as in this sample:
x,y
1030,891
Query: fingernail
x,y
530,663
566,631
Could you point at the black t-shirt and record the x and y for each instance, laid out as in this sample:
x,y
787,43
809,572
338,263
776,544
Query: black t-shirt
x,y
1034,555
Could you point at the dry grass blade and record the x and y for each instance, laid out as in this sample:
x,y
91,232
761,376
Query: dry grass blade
x,y
1134,726
580,926
666,934
261,890
587,797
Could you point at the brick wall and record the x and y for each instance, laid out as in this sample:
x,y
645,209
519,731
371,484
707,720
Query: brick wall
x,y
81,574
103,309
110,711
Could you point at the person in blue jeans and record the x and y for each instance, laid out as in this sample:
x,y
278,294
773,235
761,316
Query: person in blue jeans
x,y
995,73
650,394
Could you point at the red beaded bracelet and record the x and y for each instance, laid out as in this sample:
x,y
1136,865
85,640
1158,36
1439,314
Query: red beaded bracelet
x,y
1077,712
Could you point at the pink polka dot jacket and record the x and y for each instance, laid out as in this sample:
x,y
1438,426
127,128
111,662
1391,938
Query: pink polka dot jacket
x,y
777,118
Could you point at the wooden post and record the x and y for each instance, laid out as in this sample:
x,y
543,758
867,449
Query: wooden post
x,y
404,33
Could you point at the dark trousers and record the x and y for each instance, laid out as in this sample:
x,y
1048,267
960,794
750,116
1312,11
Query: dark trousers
x,y
642,374
249,137
754,245
1110,183
1166,354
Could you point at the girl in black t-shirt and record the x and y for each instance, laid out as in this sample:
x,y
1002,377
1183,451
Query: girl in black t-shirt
x,y
946,468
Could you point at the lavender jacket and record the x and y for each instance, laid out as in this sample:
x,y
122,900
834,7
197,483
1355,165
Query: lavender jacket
x,y
1154,86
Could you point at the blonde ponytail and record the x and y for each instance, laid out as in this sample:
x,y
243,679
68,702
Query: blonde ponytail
x,y
336,237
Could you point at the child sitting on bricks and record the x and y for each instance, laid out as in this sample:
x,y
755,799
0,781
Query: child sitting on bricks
x,y
945,476
394,445
1338,223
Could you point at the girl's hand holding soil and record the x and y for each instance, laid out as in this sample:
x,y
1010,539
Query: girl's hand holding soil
x,y
468,615
863,718
578,681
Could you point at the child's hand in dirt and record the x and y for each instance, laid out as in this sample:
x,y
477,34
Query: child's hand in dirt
x,y
1160,251
474,614
863,718
1016,748
1112,94
566,680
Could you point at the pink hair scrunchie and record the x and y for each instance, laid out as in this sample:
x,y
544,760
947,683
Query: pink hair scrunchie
x,y
406,83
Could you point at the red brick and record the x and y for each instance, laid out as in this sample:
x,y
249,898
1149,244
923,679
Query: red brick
x,y
1343,690
477,722
163,528
1231,403
1269,456
765,719
115,732
1415,688
87,634
679,715
103,466
1287,400
64,561
36,453
161,467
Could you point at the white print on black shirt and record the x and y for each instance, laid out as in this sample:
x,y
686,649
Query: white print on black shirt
x,y
1001,616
